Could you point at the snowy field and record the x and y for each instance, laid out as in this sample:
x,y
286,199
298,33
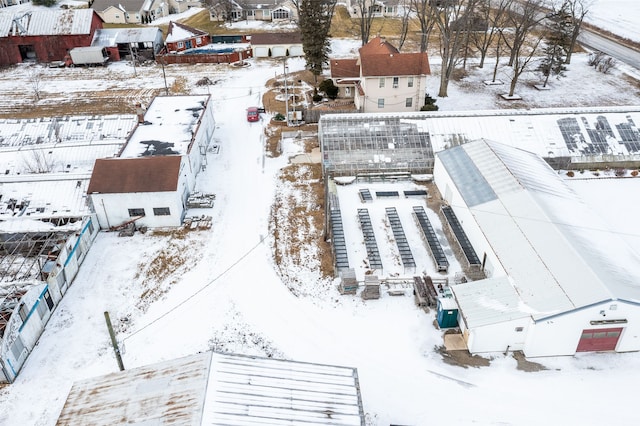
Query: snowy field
x,y
224,293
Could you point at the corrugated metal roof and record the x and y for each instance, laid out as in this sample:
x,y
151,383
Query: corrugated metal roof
x,y
543,235
46,22
168,393
108,37
216,389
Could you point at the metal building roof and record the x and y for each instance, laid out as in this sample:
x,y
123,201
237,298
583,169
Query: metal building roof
x,y
545,238
46,22
109,37
214,388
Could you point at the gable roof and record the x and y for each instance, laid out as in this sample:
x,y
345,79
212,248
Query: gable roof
x,y
124,5
178,31
276,38
397,64
557,262
46,22
129,175
377,45
344,68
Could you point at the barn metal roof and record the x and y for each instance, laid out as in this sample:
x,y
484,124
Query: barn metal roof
x,y
46,22
108,37
214,388
544,236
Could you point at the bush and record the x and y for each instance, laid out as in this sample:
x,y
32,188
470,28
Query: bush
x,y
316,97
634,173
570,173
278,117
330,89
429,104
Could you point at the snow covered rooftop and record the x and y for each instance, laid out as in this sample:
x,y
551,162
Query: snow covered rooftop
x,y
553,132
169,127
214,388
113,36
41,157
544,236
45,22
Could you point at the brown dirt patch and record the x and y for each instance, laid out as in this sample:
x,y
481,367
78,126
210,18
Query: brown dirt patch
x,y
462,358
525,365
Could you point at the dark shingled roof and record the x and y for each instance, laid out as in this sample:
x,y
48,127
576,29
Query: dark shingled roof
x,y
395,64
344,68
127,175
276,38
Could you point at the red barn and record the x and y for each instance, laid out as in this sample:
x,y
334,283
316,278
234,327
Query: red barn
x,y
45,35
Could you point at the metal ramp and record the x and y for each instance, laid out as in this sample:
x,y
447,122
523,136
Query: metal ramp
x,y
375,262
387,194
339,244
416,193
442,264
401,240
461,236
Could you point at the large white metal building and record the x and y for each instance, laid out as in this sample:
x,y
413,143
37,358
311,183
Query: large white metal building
x,y
558,281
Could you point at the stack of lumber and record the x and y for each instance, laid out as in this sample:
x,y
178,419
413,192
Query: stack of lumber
x,y
371,287
348,282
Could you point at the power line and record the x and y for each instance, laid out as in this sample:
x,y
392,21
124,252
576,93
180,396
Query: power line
x,y
240,259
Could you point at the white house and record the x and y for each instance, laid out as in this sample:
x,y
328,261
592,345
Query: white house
x,y
377,8
156,170
254,10
551,287
130,11
381,79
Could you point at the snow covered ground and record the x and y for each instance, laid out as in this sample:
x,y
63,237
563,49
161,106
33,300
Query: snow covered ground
x,y
224,294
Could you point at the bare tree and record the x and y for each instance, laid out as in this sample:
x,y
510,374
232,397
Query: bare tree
x,y
452,19
36,161
35,81
577,10
366,10
521,60
498,49
405,21
522,18
221,8
426,18
493,12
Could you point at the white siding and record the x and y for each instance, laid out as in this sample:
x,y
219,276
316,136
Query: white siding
x,y
113,209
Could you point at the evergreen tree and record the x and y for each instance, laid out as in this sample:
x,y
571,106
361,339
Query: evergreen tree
x,y
314,21
557,41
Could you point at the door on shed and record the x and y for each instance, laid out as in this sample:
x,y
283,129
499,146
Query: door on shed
x,y
598,340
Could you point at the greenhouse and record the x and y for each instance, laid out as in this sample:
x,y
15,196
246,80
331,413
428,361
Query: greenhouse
x,y
374,144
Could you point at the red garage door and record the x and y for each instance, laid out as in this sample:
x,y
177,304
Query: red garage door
x,y
604,339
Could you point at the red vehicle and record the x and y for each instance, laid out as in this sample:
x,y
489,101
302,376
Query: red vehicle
x,y
253,114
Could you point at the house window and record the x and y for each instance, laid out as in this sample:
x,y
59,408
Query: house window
x,y
17,348
136,212
250,13
410,82
519,329
161,211
180,44
198,40
381,82
117,16
266,13
395,82
347,91
381,103
23,312
280,14
408,102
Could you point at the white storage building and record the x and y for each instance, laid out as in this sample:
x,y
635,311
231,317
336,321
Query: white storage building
x,y
558,282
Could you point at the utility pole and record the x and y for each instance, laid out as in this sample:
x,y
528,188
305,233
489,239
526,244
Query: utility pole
x,y
114,343
286,91
166,88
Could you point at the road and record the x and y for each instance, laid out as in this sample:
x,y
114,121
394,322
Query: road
x,y
611,47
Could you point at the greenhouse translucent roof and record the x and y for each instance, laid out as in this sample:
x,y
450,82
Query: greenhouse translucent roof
x,y
357,144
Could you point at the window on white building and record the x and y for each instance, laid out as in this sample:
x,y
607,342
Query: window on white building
x,y
381,84
280,14
180,44
381,103
136,212
347,91
408,102
161,211
395,82
410,82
